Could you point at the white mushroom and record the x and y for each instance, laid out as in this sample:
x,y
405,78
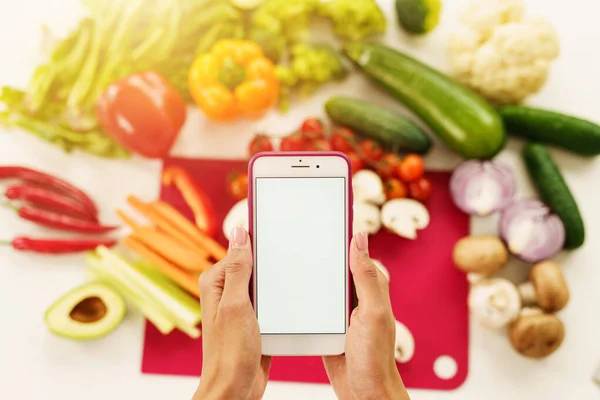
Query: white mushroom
x,y
366,218
404,217
237,216
368,187
405,344
382,268
495,302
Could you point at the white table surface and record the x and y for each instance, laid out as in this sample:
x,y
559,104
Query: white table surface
x,y
36,365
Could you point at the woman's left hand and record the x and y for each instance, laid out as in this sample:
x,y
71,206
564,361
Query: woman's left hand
x,y
233,365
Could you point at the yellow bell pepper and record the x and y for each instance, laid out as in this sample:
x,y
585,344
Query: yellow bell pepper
x,y
233,80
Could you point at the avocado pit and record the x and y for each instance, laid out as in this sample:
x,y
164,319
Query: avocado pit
x,y
88,310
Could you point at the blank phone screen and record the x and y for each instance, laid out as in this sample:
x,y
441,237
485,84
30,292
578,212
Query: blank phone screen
x,y
300,243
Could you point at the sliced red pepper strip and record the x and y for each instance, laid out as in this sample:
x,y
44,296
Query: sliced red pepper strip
x,y
196,198
47,198
43,178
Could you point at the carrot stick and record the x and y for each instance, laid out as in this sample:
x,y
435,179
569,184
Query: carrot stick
x,y
127,220
168,212
172,250
163,224
176,274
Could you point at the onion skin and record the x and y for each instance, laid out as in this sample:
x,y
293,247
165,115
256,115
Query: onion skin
x,y
482,187
530,230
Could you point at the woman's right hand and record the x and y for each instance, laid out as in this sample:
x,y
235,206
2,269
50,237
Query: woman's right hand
x,y
368,369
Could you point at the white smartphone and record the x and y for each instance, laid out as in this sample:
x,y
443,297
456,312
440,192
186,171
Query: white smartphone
x,y
300,207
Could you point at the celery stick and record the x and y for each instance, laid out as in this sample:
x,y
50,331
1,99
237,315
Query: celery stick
x,y
176,293
118,269
99,265
160,321
184,312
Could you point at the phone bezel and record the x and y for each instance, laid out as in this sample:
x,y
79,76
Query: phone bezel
x,y
303,164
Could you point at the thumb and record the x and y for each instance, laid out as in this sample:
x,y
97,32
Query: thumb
x,y
367,280
237,266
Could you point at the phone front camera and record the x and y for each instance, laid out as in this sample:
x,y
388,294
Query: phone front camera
x,y
317,166
299,160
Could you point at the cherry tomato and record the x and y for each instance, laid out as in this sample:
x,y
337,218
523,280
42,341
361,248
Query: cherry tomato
x,y
387,166
319,145
313,128
293,142
238,185
343,140
411,168
371,151
356,162
421,189
395,189
260,143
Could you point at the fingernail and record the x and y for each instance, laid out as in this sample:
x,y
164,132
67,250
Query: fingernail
x,y
238,237
362,241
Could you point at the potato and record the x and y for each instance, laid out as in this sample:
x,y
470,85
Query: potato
x,y
480,254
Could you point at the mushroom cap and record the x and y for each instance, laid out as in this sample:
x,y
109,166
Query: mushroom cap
x,y
485,254
366,218
405,344
552,292
535,334
404,217
382,268
495,302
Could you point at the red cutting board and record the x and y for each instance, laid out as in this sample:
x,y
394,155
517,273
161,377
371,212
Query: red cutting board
x,y
428,294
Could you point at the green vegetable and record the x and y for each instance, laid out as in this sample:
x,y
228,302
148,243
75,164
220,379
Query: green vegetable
x,y
555,192
163,303
311,66
570,133
418,16
288,19
42,125
392,130
88,312
461,118
354,19
247,4
273,44
117,39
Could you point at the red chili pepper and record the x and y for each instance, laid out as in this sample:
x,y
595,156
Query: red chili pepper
x,y
48,198
196,198
58,246
61,221
42,178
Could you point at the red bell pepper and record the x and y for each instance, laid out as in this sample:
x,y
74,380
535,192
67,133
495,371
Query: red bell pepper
x,y
196,198
142,112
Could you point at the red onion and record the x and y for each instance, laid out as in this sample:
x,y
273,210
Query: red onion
x,y
482,187
531,232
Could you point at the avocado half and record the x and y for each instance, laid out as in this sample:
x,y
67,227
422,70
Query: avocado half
x,y
88,312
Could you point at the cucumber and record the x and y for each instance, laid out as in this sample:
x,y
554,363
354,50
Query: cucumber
x,y
390,129
418,16
570,133
555,192
462,119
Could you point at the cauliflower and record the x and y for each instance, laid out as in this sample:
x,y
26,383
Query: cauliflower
x,y
500,52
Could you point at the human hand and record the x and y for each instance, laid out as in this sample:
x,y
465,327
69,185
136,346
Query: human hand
x,y
233,366
368,369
